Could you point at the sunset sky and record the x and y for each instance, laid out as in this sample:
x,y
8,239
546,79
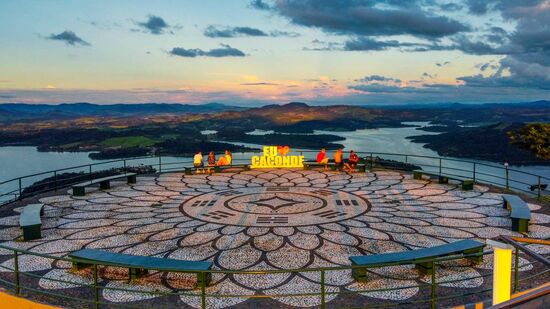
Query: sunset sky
x,y
261,52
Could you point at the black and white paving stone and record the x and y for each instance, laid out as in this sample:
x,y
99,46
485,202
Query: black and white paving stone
x,y
264,220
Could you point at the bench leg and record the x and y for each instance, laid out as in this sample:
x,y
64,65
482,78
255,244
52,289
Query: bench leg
x,y
467,185
520,225
306,166
132,179
425,268
475,259
443,179
135,273
247,167
362,169
32,232
187,171
79,266
359,274
505,205
417,175
105,185
79,191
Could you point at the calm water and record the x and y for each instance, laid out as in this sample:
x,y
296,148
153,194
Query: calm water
x,y
20,161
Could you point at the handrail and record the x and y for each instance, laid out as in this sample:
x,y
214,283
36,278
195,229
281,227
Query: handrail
x,y
507,182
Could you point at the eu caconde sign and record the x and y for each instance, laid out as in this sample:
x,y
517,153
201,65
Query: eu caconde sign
x,y
276,157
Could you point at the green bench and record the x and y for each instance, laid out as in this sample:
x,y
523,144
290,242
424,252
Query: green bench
x,y
467,184
520,212
139,265
104,183
333,167
30,222
420,257
217,169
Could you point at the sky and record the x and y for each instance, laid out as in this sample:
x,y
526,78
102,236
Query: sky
x,y
260,52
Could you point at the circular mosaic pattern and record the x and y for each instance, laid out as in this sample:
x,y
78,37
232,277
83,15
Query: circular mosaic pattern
x,y
275,206
266,220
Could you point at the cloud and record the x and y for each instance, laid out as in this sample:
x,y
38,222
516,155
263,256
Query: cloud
x,y
377,78
259,5
441,64
478,7
69,37
154,25
7,96
224,51
232,32
365,18
259,84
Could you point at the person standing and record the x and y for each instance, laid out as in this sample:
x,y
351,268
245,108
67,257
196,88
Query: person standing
x,y
322,158
197,162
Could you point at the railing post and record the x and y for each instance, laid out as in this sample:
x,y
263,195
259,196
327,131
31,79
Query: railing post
x,y
323,296
474,176
371,161
124,165
16,272
439,166
96,289
20,189
55,180
516,271
203,290
433,292
406,159
538,188
90,171
507,176
160,164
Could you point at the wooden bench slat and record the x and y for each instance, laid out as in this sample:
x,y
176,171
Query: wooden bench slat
x,y
413,255
418,257
99,180
520,212
30,221
136,261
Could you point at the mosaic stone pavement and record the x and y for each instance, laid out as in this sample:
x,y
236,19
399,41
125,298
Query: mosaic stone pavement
x,y
262,220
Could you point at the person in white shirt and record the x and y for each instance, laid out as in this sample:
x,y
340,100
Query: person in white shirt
x,y
197,162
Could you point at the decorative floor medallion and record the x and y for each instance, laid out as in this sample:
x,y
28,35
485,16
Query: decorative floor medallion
x,y
264,220
275,206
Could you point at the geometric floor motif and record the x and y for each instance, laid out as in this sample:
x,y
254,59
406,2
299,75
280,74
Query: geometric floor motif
x,y
264,220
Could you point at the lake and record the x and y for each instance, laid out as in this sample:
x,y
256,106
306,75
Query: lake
x,y
21,161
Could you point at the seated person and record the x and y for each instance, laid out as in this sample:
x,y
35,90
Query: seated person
x,y
197,162
339,158
211,160
352,161
322,158
225,159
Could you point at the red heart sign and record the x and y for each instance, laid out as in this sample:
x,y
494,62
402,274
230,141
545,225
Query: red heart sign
x,y
283,150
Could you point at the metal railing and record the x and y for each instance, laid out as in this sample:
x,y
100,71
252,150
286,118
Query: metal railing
x,y
434,300
479,172
492,174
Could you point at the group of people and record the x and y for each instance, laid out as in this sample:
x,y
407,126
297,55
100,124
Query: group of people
x,y
322,158
211,161
348,166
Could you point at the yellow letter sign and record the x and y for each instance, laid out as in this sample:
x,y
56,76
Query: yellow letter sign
x,y
276,157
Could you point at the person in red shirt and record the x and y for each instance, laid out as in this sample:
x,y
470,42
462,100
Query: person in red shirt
x,y
352,162
322,158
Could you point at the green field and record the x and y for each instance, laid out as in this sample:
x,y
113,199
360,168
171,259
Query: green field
x,y
128,141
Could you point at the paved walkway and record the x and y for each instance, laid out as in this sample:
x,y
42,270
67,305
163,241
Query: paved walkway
x,y
261,220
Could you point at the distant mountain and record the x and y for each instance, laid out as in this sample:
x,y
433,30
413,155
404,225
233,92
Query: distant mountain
x,y
19,111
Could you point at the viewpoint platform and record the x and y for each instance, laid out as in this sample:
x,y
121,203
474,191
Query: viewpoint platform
x,y
253,226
